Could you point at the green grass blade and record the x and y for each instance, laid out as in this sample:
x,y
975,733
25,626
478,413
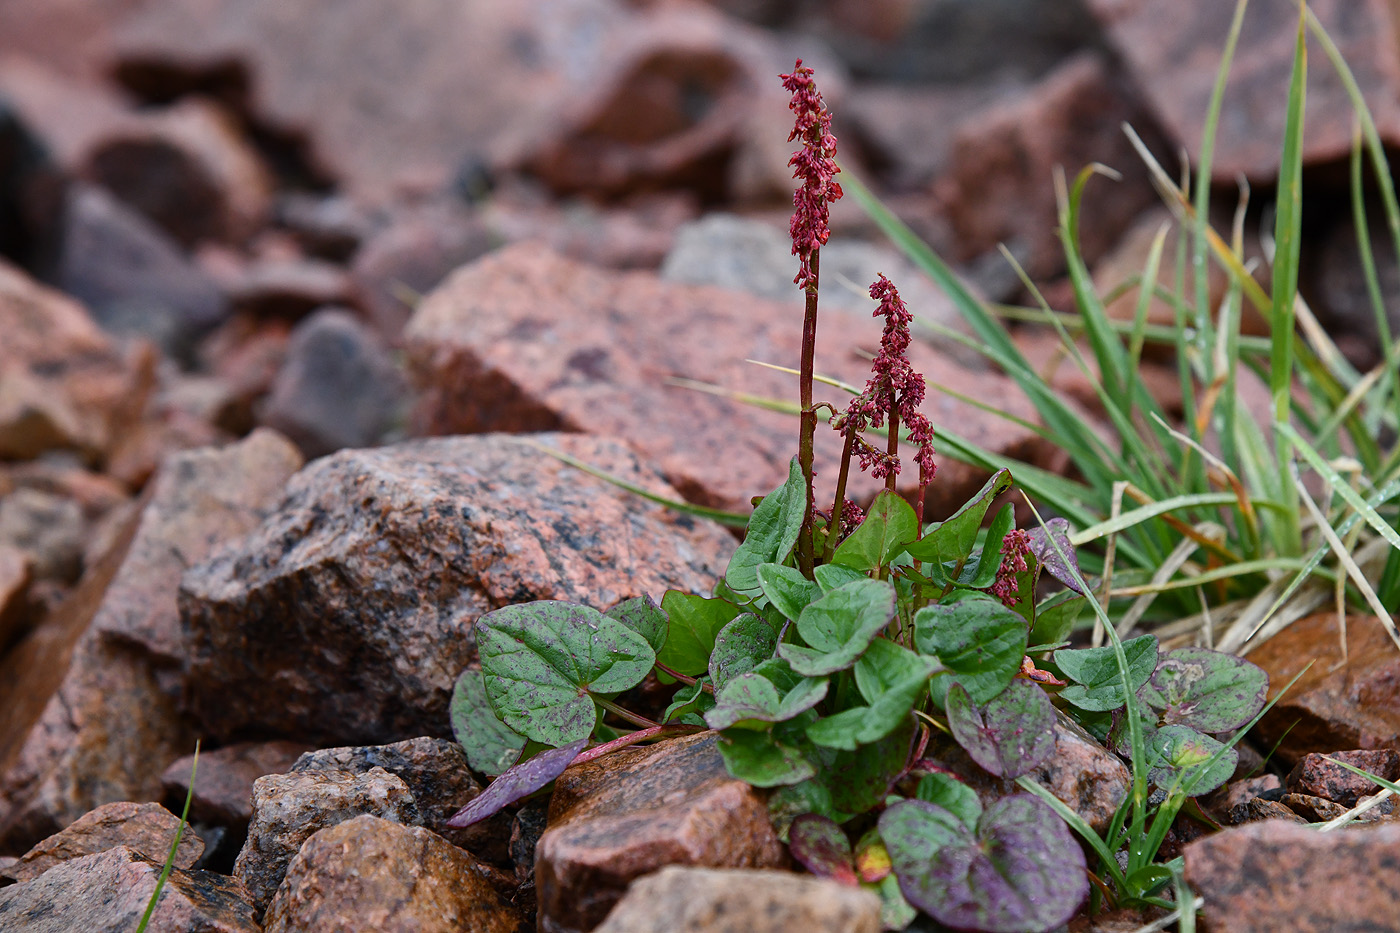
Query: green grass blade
x,y
1287,239
174,847
1340,486
1143,513
732,519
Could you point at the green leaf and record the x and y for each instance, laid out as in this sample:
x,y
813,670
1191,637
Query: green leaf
x,y
773,530
860,780
808,796
763,759
953,540
642,615
989,559
1055,617
1206,690
1180,750
952,795
840,626
893,679
490,745
787,589
693,623
541,661
896,913
689,700
1098,685
976,638
751,701
1011,734
888,527
744,643
834,576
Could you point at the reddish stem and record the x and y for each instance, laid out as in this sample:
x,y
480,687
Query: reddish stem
x,y
833,530
808,425
632,738
683,678
893,446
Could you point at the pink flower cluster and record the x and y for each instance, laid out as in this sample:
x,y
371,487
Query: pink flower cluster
x,y
893,388
1015,548
815,166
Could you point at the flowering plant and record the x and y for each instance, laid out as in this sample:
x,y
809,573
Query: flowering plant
x,y
839,649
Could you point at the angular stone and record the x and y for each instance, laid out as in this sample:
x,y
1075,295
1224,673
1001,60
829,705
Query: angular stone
x,y
1082,774
748,255
1261,809
1313,809
223,782
707,900
1314,774
1000,186
289,288
419,246
49,528
401,70
1274,876
630,813
1220,803
91,694
108,893
1173,52
346,617
337,388
289,808
326,226
62,383
665,107
435,770
189,169
523,340
369,873
16,571
147,829
1334,705
132,277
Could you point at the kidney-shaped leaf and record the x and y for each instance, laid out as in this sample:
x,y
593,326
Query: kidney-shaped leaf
x,y
745,642
765,759
642,615
976,638
1011,734
751,700
542,659
519,782
1181,750
1207,690
953,540
490,745
839,627
787,589
1020,872
822,848
693,622
1098,684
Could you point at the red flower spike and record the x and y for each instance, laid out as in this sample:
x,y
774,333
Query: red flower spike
x,y
814,165
1015,548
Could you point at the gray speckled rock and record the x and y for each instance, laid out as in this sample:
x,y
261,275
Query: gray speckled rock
x,y
107,893
707,900
346,618
146,828
289,808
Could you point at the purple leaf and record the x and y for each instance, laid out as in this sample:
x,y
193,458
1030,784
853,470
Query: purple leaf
x,y
822,848
1019,871
520,781
1045,552
1012,734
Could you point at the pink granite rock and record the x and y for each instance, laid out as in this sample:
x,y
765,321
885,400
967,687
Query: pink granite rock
x,y
146,828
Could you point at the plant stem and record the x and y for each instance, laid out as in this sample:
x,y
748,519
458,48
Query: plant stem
x,y
683,678
626,714
893,445
632,738
808,426
833,530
